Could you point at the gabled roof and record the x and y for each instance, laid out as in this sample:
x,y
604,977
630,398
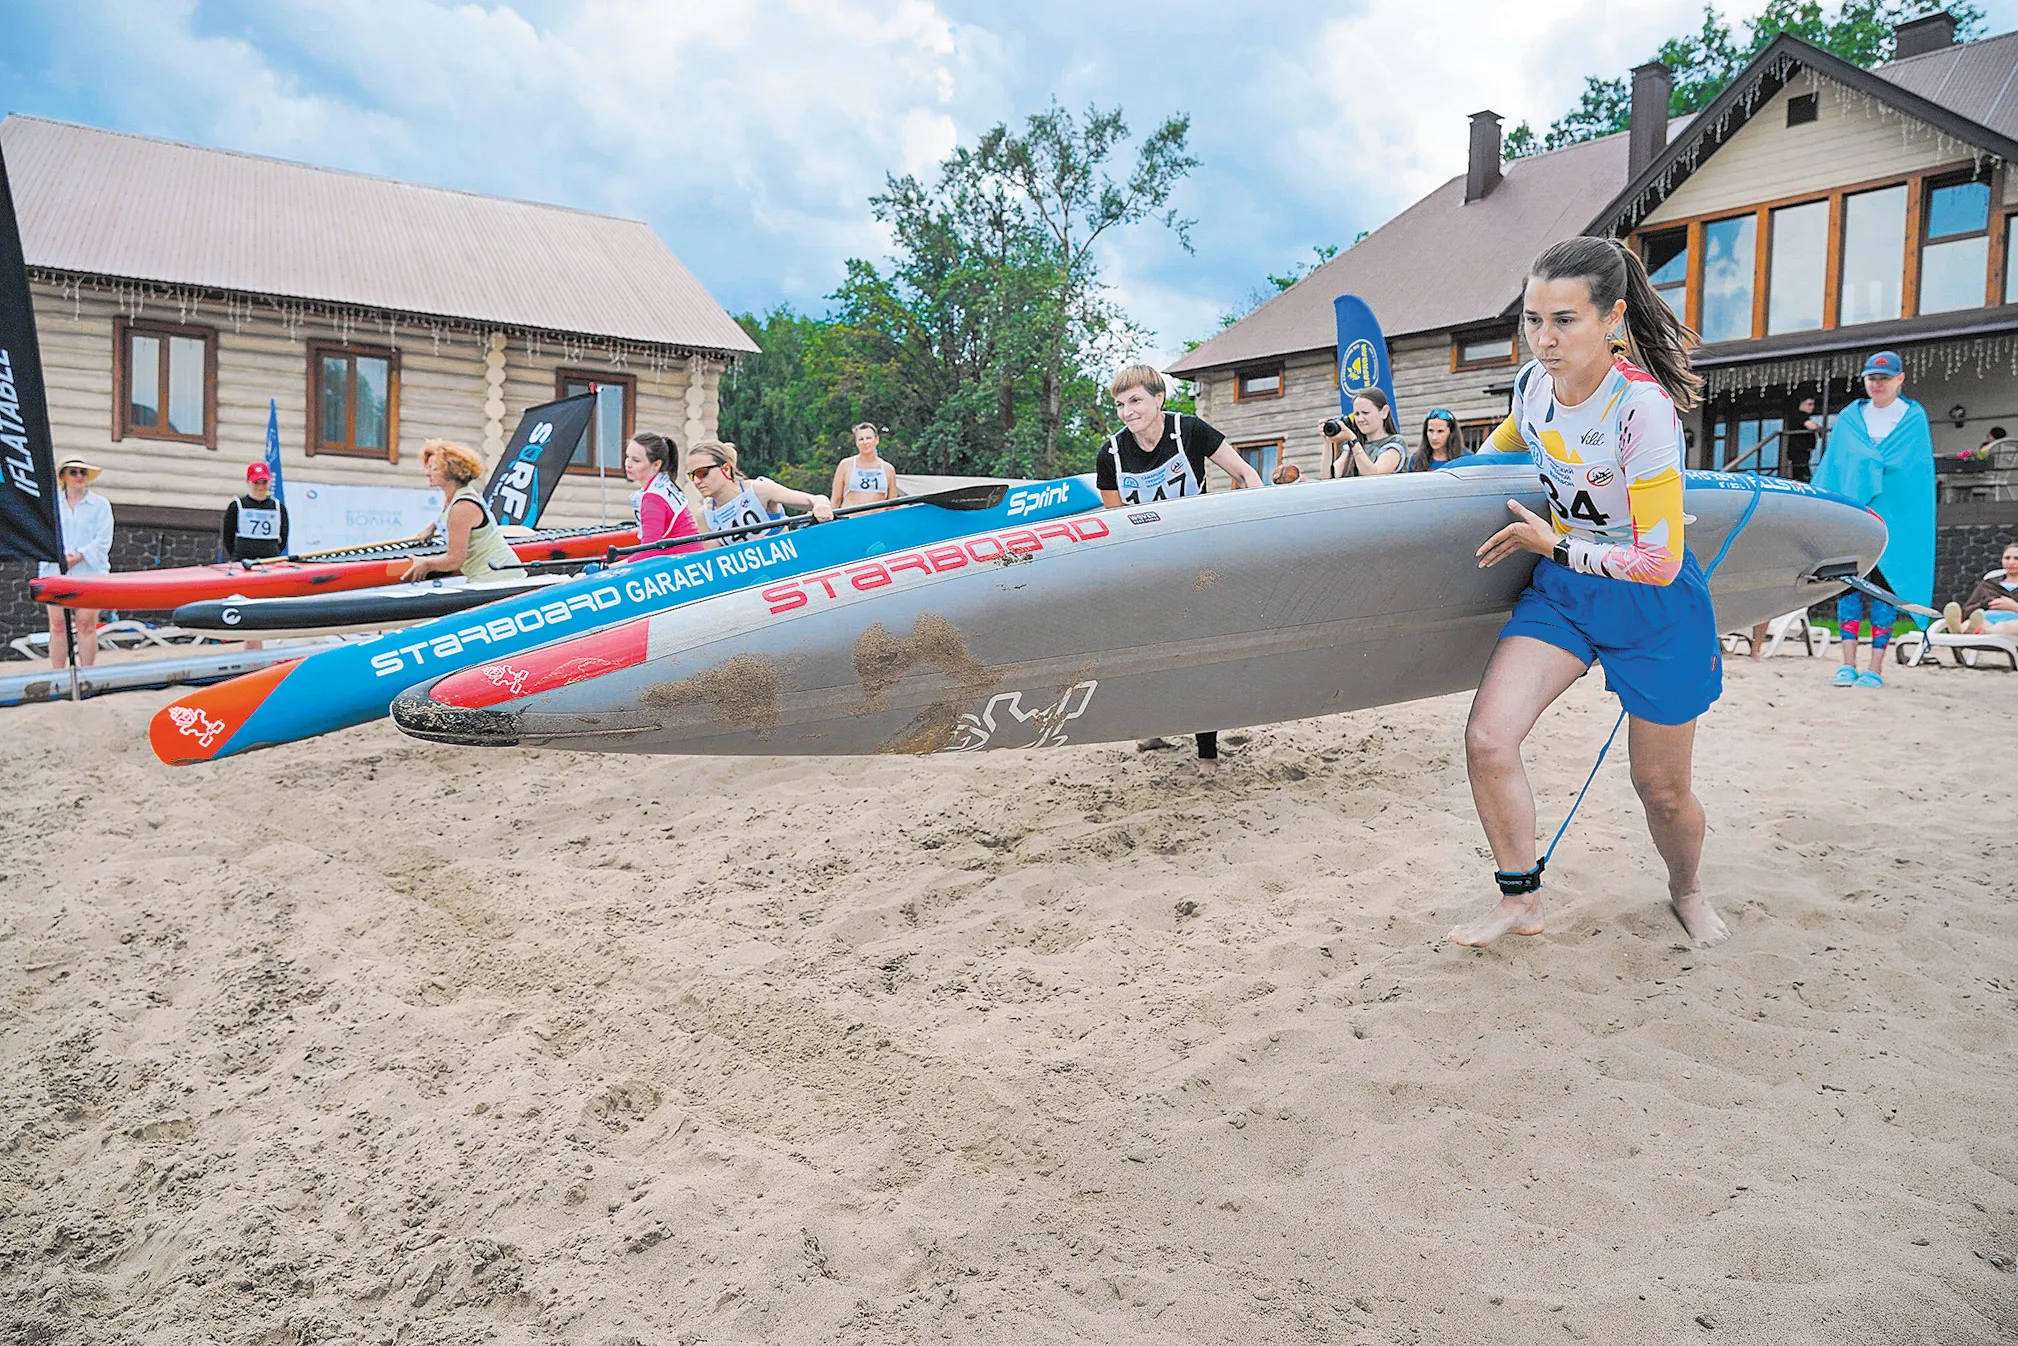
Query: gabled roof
x,y
106,203
1768,72
1446,263
1441,263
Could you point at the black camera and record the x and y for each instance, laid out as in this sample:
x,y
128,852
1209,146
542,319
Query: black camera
x,y
1333,428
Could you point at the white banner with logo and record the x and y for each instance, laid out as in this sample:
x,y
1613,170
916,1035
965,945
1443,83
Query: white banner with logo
x,y
322,517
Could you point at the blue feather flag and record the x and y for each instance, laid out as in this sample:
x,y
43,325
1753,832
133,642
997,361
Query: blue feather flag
x,y
1362,354
273,449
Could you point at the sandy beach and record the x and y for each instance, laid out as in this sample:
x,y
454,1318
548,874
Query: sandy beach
x,y
365,1040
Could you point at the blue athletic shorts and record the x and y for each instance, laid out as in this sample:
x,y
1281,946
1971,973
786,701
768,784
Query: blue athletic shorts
x,y
1658,643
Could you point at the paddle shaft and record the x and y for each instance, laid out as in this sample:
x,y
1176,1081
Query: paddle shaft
x,y
985,496
415,540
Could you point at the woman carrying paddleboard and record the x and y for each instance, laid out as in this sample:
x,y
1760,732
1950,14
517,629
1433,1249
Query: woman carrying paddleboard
x,y
733,500
1160,455
650,461
1615,584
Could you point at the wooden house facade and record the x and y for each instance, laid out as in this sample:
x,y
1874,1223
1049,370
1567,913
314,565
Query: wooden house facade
x,y
179,290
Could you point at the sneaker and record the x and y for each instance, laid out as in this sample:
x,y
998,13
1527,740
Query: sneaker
x,y
1846,676
1869,679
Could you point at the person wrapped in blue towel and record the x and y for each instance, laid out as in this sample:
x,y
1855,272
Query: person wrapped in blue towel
x,y
1881,455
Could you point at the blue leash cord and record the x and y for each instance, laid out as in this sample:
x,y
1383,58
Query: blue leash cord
x,y
1751,507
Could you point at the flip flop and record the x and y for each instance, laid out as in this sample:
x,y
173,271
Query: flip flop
x,y
1846,676
1869,679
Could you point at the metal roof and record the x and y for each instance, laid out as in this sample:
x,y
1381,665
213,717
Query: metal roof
x,y
110,204
1447,263
1979,80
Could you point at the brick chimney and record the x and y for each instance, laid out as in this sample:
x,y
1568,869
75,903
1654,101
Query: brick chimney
x,y
1481,175
1929,32
1647,132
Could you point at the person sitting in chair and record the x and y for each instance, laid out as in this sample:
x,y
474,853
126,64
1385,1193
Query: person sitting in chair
x,y
1992,606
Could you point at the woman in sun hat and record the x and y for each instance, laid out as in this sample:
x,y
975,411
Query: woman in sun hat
x,y
86,517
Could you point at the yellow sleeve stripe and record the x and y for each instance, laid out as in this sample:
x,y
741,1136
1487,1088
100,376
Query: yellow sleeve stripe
x,y
1506,438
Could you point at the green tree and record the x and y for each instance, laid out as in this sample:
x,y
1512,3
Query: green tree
x,y
988,333
1059,165
1705,61
774,407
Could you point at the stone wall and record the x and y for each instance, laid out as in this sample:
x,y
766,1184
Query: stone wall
x,y
1969,541
134,547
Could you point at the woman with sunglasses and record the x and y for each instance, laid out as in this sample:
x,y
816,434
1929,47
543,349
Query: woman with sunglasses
x,y
86,517
1441,442
650,461
733,500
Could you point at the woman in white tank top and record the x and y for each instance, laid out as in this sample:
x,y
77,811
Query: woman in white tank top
x,y
735,501
868,476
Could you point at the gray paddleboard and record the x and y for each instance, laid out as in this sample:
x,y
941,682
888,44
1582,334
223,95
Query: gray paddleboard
x,y
1241,608
139,675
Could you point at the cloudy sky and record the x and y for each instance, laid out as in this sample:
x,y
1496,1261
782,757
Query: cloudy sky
x,y
750,133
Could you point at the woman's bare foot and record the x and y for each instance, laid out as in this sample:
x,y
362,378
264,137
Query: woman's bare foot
x,y
1514,915
1700,919
1208,766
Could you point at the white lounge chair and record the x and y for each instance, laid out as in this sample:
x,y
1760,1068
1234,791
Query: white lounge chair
x,y
1814,638
1917,647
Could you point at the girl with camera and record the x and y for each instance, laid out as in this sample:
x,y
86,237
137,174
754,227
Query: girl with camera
x,y
1365,444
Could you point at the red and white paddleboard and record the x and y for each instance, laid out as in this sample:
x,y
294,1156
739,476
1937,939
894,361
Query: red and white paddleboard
x,y
159,590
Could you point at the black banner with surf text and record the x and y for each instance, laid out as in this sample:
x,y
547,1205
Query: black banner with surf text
x,y
28,527
536,457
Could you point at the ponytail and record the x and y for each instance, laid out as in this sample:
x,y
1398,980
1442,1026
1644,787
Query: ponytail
x,y
659,449
1658,341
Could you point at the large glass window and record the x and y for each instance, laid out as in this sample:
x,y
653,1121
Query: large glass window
x,y
610,424
1798,268
1874,255
1955,259
355,408
1667,262
165,376
1729,251
1737,440
2010,263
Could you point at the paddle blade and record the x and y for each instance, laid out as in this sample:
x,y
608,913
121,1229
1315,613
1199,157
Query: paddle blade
x,y
981,495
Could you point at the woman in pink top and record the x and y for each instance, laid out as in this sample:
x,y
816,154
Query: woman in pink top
x,y
662,511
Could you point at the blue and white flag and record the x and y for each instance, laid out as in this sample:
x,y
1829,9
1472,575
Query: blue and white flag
x,y
273,449
1362,354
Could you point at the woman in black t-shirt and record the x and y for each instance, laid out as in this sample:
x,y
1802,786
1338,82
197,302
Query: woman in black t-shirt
x,y
1161,455
1157,454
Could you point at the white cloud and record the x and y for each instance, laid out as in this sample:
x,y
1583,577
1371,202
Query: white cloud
x,y
751,133
743,131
